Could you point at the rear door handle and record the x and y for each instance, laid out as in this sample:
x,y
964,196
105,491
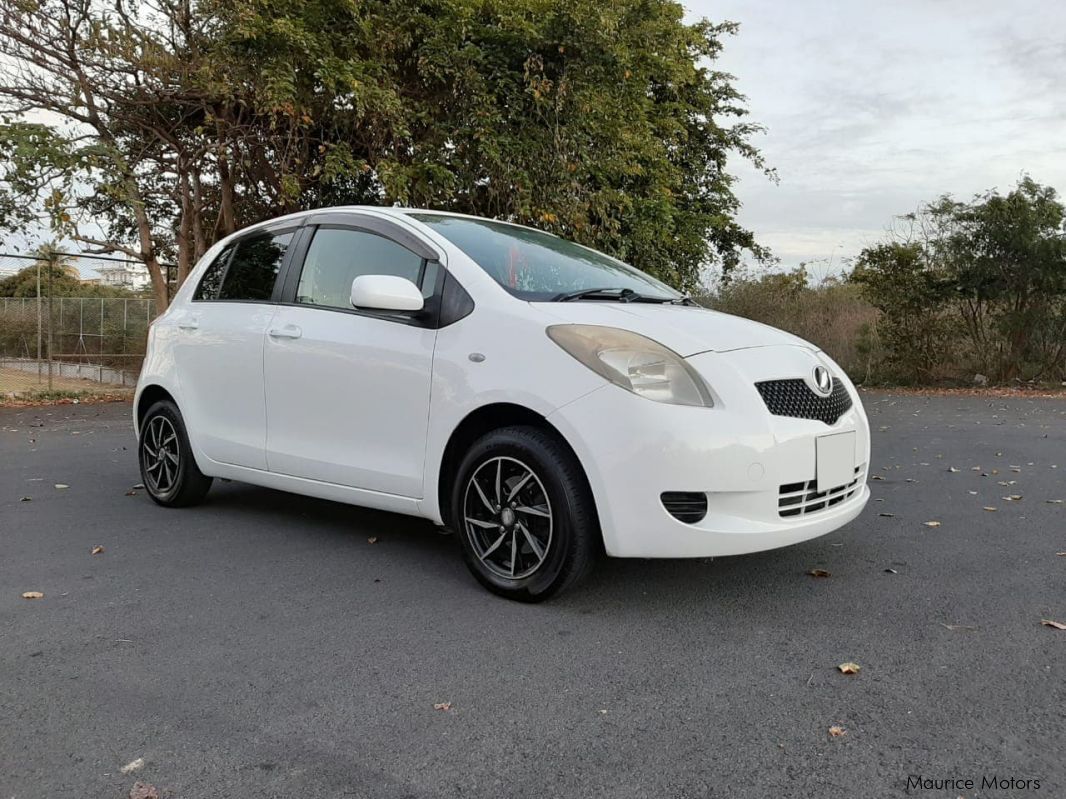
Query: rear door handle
x,y
191,323
289,331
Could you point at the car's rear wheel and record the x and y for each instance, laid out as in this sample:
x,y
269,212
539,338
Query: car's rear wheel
x,y
168,469
524,514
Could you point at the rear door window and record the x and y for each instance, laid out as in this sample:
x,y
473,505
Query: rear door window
x,y
247,270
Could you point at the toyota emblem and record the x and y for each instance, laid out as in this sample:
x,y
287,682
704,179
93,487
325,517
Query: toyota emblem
x,y
822,381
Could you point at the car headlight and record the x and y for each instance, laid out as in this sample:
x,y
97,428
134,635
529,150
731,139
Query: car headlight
x,y
635,363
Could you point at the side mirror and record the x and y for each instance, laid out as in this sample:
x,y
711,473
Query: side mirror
x,y
386,293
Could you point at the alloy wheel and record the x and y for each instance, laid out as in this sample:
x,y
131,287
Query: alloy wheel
x,y
161,454
508,517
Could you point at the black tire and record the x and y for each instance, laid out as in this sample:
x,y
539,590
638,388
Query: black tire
x,y
168,469
545,554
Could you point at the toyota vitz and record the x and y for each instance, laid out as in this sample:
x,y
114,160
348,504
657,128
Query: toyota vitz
x,y
543,400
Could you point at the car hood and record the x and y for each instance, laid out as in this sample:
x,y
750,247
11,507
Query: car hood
x,y
685,329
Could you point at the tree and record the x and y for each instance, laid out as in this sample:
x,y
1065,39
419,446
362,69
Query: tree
x,y
171,124
990,273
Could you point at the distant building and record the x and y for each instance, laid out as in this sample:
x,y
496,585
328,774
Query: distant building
x,y
124,275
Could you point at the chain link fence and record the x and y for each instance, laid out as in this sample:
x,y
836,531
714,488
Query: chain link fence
x,y
61,345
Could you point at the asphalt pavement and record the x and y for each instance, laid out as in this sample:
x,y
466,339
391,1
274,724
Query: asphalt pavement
x,y
269,645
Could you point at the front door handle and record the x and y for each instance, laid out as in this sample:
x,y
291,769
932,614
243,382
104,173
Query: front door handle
x,y
289,331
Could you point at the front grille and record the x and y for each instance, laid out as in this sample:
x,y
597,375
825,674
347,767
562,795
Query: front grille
x,y
685,506
801,499
796,399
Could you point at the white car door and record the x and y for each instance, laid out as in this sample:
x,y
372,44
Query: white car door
x,y
219,348
347,390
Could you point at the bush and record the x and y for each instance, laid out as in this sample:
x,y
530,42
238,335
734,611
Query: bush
x,y
830,313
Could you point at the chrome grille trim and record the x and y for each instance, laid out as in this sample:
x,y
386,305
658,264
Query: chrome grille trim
x,y
802,499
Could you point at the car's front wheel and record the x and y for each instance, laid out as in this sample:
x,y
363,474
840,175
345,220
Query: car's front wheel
x,y
168,469
524,514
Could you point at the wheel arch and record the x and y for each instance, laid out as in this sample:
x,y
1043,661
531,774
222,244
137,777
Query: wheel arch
x,y
150,395
484,420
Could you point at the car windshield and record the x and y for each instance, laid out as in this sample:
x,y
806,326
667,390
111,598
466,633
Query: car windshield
x,y
537,266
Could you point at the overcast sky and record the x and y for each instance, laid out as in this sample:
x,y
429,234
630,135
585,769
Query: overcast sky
x,y
875,107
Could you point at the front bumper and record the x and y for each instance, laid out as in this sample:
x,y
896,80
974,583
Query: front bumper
x,y
737,453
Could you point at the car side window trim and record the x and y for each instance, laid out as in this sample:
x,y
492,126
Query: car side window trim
x,y
387,228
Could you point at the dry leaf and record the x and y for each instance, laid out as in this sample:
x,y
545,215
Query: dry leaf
x,y
372,540
133,765
891,571
1013,498
876,477
956,626
97,550
26,499
972,493
142,790
131,493
62,485
886,514
990,509
442,706
1061,554
849,668
1053,501
836,731
1058,625
818,573
931,524
953,469
33,595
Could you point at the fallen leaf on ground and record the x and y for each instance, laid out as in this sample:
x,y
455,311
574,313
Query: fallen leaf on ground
x,y
133,765
1013,498
931,524
97,550
1061,554
886,514
442,706
891,571
142,790
876,477
956,626
62,485
849,668
33,595
26,499
836,731
1058,625
818,573
372,540
953,469
990,508
131,493
974,493
1053,501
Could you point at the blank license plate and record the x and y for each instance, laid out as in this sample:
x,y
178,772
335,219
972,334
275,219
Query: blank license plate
x,y
835,464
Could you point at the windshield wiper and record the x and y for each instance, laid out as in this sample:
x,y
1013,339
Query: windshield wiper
x,y
621,295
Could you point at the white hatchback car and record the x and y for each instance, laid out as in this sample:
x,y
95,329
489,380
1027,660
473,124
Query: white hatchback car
x,y
545,401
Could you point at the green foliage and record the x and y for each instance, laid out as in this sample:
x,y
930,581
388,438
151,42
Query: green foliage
x,y
605,123
979,286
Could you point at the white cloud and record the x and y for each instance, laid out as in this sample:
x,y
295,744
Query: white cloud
x,y
873,108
